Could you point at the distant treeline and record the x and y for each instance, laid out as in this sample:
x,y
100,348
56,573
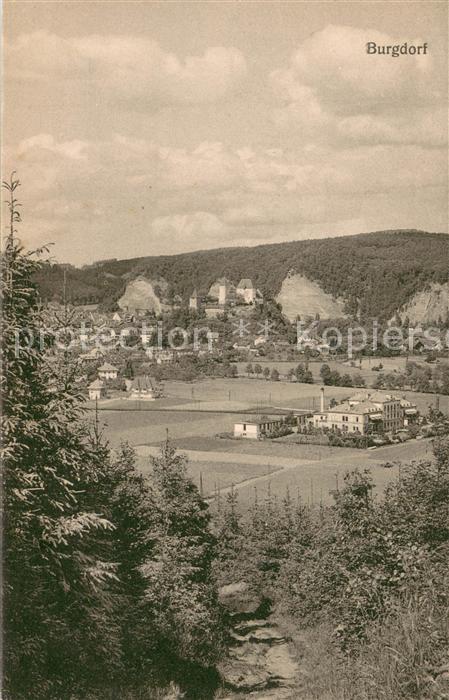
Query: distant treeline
x,y
376,273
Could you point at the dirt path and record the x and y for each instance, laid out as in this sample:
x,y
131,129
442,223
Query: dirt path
x,y
261,664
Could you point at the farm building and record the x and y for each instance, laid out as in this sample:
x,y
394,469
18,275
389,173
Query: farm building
x,y
256,428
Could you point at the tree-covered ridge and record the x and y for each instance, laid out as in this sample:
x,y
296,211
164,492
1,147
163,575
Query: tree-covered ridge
x,y
382,269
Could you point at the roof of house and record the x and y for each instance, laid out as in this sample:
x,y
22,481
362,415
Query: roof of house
x,y
374,397
360,396
143,383
97,384
194,294
260,420
378,397
405,403
360,408
245,284
107,367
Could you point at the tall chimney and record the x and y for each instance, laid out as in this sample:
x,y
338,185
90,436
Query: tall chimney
x,y
322,409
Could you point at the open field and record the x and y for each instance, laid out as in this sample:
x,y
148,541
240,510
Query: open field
x,y
314,481
242,394
312,477
213,474
267,449
312,471
261,393
150,427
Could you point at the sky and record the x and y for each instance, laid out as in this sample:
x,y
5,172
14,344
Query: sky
x,y
146,128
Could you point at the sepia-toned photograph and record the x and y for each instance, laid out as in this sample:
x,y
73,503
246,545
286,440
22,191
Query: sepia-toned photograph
x,y
225,350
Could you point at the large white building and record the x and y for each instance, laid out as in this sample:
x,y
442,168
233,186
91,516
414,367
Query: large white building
x,y
367,412
390,407
359,418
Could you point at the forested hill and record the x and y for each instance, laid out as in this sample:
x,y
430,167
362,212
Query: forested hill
x,y
381,269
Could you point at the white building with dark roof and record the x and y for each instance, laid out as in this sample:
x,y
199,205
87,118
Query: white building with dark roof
x,y
256,428
96,390
246,291
361,418
107,371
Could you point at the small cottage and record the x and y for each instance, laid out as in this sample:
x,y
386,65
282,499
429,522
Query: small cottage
x,y
107,371
96,390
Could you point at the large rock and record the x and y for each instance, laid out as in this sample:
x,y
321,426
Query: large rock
x,y
143,294
428,305
300,296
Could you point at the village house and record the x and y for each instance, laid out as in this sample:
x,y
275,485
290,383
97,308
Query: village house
x,y
256,428
92,355
246,291
144,388
107,371
96,390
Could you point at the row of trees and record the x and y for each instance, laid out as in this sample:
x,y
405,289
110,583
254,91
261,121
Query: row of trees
x,y
334,378
423,378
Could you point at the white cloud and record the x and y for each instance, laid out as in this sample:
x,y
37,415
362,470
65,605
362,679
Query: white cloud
x,y
182,230
127,68
335,92
134,197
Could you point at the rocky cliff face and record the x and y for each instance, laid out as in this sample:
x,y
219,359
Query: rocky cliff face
x,y
428,305
300,296
145,295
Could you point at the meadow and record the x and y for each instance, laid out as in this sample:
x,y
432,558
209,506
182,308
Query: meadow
x,y
310,471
